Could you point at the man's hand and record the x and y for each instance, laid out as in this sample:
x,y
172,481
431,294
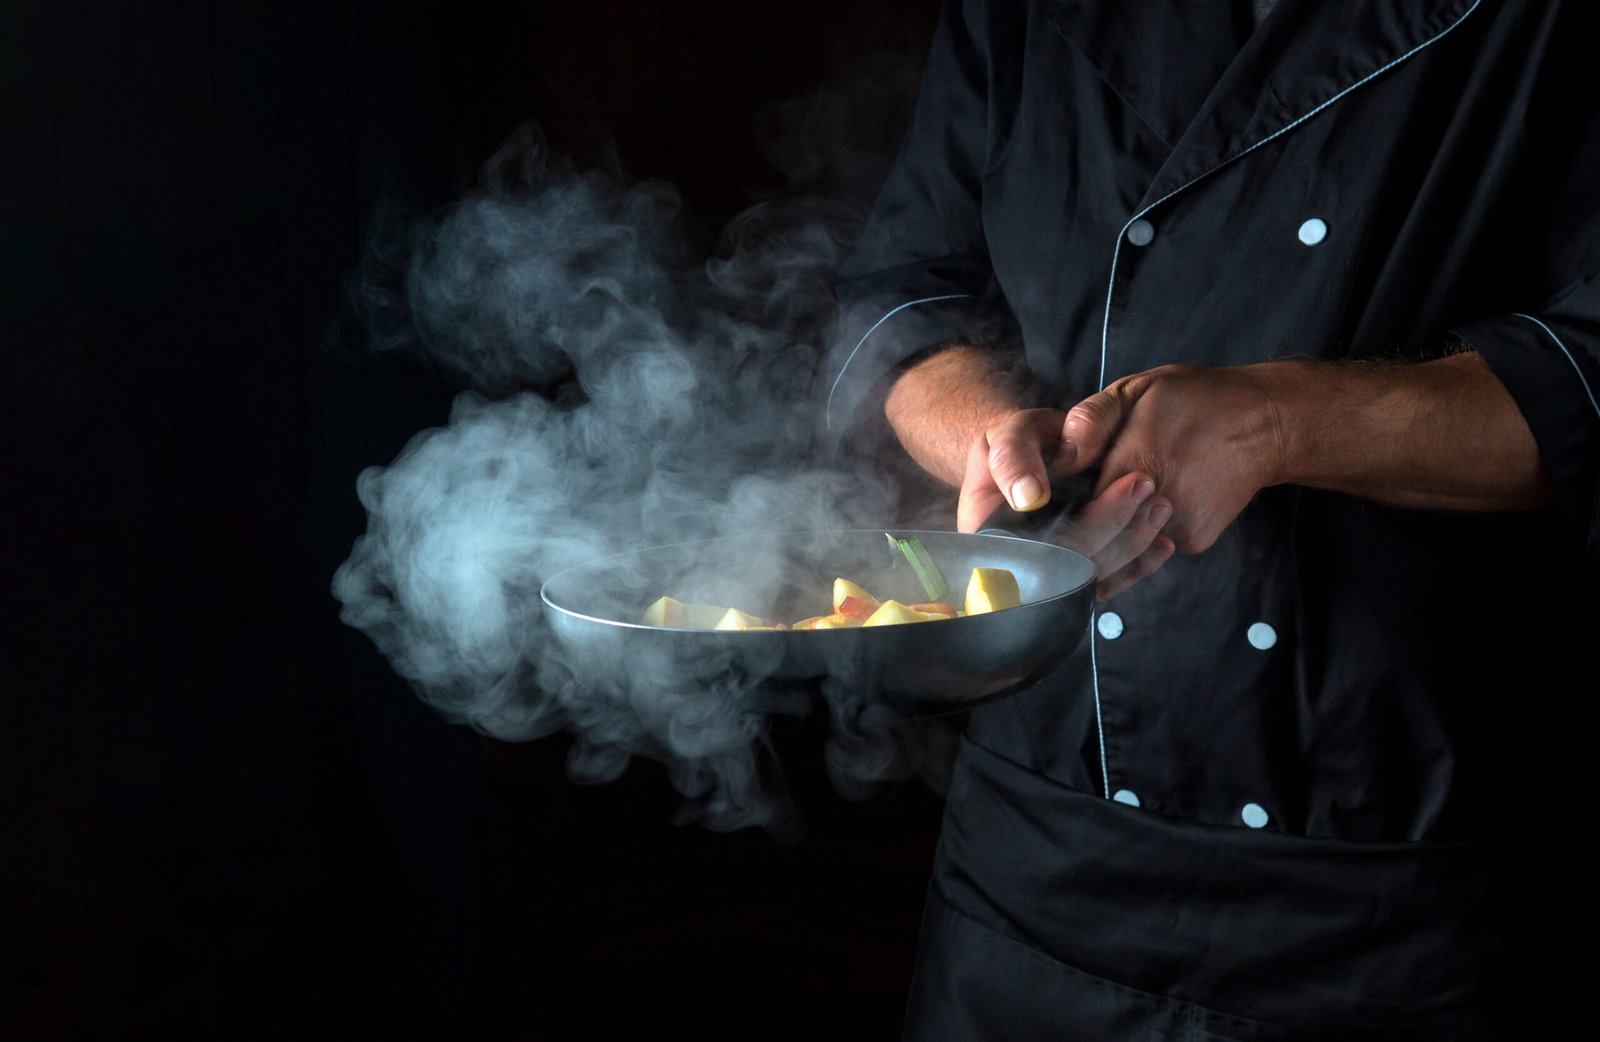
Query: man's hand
x,y
1211,439
1119,530
961,416
1438,435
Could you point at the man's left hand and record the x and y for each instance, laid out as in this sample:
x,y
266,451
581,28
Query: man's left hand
x,y
1210,438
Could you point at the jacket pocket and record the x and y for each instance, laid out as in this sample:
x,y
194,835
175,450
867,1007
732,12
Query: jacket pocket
x,y
973,982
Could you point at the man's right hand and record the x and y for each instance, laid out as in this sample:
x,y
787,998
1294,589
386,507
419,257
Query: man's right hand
x,y
1119,530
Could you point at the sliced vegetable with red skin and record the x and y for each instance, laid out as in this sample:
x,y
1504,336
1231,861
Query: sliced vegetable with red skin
x,y
829,622
934,608
844,589
858,607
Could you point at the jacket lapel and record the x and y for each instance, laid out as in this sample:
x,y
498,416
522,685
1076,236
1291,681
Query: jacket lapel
x,y
1161,57
1172,63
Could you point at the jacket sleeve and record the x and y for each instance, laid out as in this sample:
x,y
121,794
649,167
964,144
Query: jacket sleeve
x,y
920,274
1548,357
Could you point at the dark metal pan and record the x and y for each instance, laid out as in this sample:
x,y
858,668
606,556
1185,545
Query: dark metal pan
x,y
594,609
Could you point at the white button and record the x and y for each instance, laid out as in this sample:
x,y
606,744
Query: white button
x,y
1140,232
1110,625
1254,815
1127,796
1261,636
1313,231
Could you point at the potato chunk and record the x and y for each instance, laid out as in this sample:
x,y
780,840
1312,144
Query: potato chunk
x,y
738,620
893,613
665,612
991,589
698,616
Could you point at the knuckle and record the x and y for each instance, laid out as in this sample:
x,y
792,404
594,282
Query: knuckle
x,y
1008,456
1088,414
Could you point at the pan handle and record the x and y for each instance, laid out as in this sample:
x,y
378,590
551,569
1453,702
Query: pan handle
x,y
1067,496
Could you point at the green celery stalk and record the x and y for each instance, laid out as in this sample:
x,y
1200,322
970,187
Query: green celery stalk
x,y
922,563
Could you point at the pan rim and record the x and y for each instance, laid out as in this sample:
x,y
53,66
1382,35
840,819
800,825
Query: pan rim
x,y
544,587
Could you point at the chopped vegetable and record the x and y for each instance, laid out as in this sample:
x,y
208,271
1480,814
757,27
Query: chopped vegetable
x,y
850,599
934,608
855,606
738,620
829,622
698,616
991,589
922,563
892,613
665,612
672,614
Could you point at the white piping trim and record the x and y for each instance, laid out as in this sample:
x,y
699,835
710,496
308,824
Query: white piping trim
x,y
1106,322
1094,673
827,414
1111,286
1581,379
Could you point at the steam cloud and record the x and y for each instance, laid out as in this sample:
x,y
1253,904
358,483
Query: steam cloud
x,y
627,391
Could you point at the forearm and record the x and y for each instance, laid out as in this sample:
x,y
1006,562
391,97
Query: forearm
x,y
939,405
1438,435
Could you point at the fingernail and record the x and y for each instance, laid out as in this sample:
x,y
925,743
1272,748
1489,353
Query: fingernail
x,y
1159,514
1067,452
1143,489
1025,493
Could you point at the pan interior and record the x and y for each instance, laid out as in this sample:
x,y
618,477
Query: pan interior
x,y
789,576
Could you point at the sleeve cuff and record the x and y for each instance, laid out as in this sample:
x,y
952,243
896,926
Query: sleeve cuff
x,y
892,338
888,317
1554,382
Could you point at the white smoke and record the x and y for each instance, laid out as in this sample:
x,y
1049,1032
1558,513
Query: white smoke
x,y
627,391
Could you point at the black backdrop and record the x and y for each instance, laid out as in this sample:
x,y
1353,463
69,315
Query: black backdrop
x,y
223,816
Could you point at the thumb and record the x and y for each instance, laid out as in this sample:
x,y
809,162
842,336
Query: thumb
x,y
1006,464
1092,424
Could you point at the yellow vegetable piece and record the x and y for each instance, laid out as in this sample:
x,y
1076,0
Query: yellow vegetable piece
x,y
665,612
674,614
892,613
697,616
738,620
837,621
992,589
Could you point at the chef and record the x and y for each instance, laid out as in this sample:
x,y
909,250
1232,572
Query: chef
x,y
1312,291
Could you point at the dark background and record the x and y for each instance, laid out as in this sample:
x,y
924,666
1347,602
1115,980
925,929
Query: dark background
x,y
221,815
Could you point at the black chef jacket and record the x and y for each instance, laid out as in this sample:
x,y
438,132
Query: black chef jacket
x,y
1327,776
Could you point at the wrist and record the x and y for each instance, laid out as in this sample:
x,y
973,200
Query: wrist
x,y
1285,407
939,406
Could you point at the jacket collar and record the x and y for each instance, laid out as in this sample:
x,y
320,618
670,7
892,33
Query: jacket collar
x,y
1211,93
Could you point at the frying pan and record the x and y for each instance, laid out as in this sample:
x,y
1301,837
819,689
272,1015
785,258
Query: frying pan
x,y
593,610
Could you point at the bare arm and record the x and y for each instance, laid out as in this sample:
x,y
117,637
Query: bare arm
x,y
1439,435
1183,449
939,405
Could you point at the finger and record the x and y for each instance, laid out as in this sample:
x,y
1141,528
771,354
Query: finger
x,y
980,496
1134,539
1092,424
1016,456
1105,516
1011,466
1158,553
